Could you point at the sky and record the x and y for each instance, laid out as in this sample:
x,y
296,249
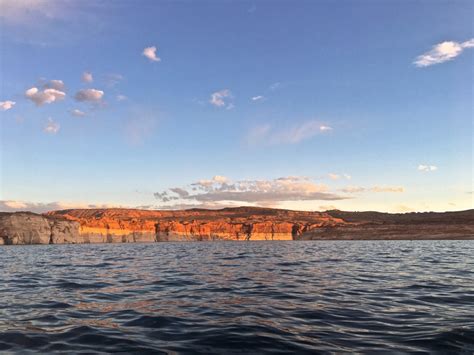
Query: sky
x,y
305,105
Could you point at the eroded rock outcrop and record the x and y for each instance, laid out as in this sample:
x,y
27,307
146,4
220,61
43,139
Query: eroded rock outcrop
x,y
31,228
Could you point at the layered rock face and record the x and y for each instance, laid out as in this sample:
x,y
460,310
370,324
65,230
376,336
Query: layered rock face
x,y
242,224
245,223
31,228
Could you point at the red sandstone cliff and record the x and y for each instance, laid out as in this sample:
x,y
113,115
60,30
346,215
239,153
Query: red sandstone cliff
x,y
250,223
243,223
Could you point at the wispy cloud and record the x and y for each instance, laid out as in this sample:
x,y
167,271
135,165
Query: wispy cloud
x,y
334,176
442,52
92,95
150,53
50,22
87,77
427,168
112,79
78,113
39,207
222,98
275,86
51,127
353,189
7,105
30,13
140,126
258,98
267,134
387,189
121,97
325,128
221,189
379,189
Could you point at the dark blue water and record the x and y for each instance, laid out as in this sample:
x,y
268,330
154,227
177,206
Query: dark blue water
x,y
238,297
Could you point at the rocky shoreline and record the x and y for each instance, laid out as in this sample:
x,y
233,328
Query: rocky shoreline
x,y
81,226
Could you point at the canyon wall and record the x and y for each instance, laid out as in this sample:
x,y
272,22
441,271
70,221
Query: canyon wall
x,y
242,224
31,228
125,225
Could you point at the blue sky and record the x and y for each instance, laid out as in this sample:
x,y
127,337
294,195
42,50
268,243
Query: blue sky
x,y
356,105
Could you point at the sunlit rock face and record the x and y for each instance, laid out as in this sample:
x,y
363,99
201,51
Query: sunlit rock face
x,y
29,228
244,223
239,224
251,223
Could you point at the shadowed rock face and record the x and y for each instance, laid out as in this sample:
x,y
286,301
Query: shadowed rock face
x,y
243,223
31,228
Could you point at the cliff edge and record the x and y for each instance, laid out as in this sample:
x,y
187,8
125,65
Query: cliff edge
x,y
32,228
242,223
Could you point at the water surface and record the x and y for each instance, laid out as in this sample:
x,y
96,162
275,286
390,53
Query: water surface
x,y
231,297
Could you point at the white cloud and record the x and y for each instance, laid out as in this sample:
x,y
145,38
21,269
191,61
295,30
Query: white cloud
x,y
51,127
92,95
121,97
262,192
78,113
258,98
427,168
220,179
7,105
150,53
221,98
87,77
46,96
442,52
325,128
266,134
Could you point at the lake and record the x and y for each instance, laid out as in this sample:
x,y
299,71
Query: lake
x,y
231,297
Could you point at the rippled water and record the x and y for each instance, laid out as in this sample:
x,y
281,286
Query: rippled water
x,y
225,297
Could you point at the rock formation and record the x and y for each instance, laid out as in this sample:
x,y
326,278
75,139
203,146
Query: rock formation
x,y
243,223
31,228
